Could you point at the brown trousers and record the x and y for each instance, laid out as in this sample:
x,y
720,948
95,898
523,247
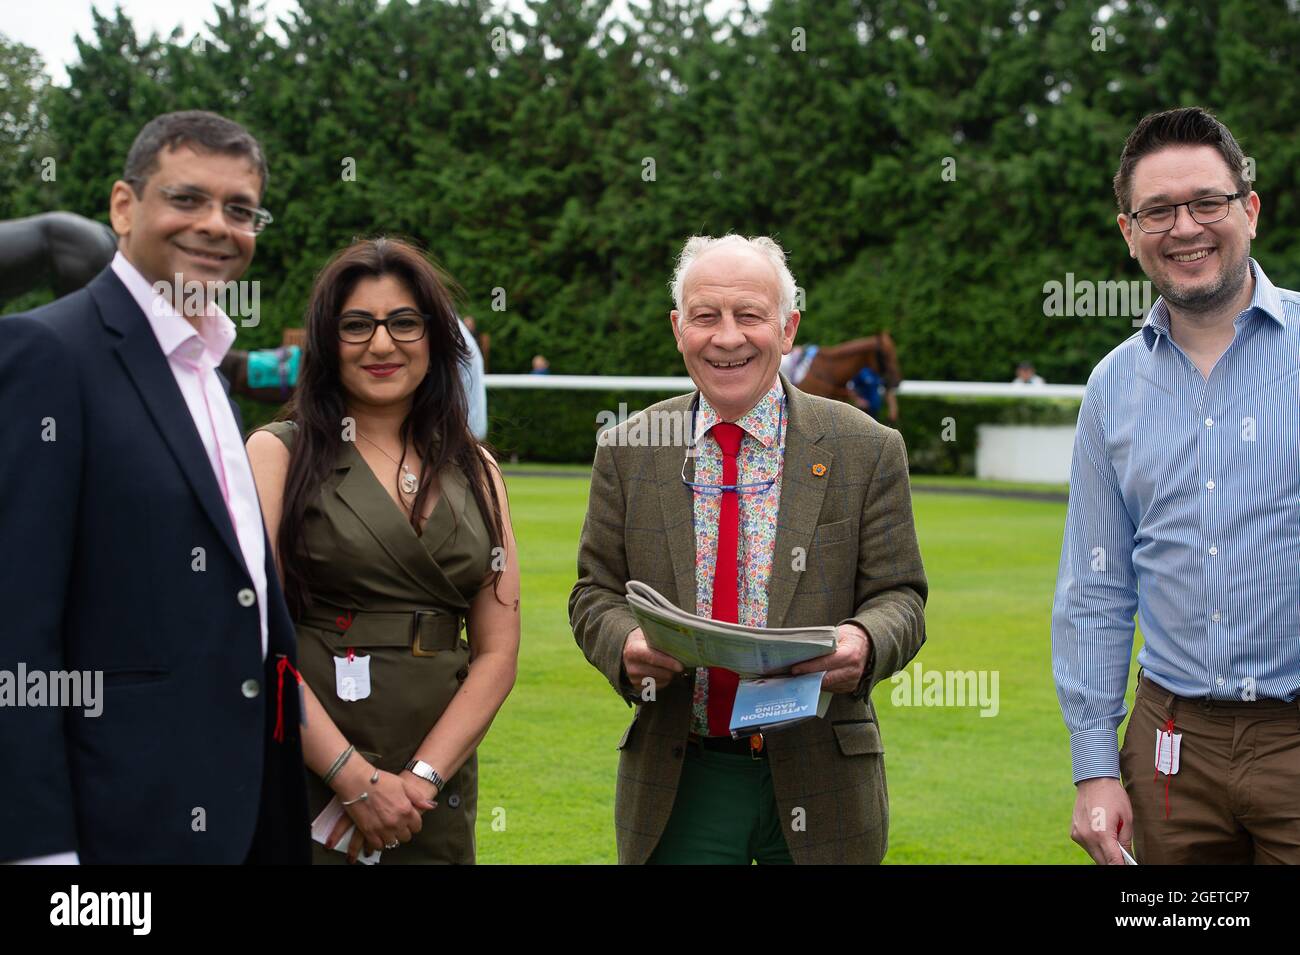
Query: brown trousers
x,y
1235,799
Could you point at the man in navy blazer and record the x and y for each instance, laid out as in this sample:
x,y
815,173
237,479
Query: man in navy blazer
x,y
137,567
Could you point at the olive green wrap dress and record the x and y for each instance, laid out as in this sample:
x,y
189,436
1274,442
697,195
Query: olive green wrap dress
x,y
400,599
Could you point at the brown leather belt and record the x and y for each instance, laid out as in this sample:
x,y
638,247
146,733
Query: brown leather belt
x,y
1253,706
426,632
735,747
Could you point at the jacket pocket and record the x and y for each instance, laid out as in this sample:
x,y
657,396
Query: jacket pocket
x,y
136,676
627,733
858,737
830,533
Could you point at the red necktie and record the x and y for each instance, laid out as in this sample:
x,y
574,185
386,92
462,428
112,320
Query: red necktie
x,y
726,579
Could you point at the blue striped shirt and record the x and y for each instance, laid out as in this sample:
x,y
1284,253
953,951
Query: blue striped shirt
x,y
1184,507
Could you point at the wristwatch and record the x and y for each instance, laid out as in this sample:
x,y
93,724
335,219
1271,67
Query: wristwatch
x,y
419,767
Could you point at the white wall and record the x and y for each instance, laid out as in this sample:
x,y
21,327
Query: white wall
x,y
1036,453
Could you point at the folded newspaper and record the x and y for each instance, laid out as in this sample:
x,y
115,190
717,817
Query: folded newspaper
x,y
766,703
700,642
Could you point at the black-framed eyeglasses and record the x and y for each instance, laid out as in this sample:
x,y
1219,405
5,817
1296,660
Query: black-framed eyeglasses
x,y
402,327
757,487
194,203
1206,209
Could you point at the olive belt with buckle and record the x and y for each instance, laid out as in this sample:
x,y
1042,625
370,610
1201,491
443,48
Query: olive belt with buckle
x,y
426,632
751,746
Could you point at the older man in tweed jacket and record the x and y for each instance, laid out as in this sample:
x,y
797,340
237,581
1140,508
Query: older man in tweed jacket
x,y
813,496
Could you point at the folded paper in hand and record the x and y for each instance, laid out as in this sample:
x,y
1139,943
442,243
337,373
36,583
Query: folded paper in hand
x,y
699,642
323,825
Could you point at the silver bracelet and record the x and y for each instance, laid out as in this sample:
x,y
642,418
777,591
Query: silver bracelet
x,y
362,798
338,764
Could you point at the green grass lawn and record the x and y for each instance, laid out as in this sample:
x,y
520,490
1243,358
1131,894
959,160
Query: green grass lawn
x,y
965,483
963,788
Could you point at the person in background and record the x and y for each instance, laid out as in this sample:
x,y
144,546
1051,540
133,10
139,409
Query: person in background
x,y
867,388
1183,491
471,377
1025,375
540,365
482,339
392,532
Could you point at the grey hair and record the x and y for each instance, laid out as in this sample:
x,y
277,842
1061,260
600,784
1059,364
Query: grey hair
x,y
697,245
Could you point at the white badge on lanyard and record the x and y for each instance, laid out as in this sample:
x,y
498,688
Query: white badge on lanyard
x,y
1167,746
352,677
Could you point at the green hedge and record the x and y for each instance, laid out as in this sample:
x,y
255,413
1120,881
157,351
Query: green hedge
x,y
560,426
922,421
555,426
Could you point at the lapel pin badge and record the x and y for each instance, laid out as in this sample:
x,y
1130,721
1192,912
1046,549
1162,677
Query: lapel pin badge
x,y
819,470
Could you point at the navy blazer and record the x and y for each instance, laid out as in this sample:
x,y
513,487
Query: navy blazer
x,y
101,529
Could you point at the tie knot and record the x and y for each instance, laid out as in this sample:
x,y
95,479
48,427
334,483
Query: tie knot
x,y
728,436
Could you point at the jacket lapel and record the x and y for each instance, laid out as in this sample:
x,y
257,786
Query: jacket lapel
x,y
152,376
802,494
676,508
453,495
361,491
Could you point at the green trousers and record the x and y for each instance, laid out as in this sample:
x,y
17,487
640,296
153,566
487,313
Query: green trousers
x,y
725,814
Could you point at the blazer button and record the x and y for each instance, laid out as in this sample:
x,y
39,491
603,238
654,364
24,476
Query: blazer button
x,y
250,688
453,800
246,597
677,752
462,674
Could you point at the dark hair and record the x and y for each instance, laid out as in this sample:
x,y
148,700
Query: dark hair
x,y
1189,126
199,129
436,425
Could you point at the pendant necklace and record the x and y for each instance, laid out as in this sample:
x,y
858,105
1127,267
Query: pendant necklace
x,y
410,483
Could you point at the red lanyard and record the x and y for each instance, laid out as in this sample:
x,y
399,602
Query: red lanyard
x,y
280,667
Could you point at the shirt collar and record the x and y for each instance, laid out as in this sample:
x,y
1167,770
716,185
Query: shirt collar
x,y
174,332
760,422
1265,301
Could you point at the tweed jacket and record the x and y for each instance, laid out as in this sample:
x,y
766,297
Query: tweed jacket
x,y
845,551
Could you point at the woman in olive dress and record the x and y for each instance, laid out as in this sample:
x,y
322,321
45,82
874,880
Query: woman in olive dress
x,y
392,534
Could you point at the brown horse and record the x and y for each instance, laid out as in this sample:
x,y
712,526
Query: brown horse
x,y
834,366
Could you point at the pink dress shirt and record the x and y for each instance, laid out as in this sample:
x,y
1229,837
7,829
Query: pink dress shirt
x,y
194,357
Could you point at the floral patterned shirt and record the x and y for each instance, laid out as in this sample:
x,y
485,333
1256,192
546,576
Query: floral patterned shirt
x,y
759,459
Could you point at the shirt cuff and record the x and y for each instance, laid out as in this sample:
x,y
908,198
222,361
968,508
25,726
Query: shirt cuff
x,y
864,685
1095,753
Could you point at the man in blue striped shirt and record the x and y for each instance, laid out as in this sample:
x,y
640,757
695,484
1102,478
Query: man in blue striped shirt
x,y
1185,507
